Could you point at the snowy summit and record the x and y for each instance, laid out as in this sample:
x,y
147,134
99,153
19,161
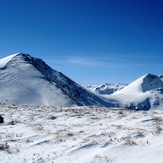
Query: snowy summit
x,y
143,94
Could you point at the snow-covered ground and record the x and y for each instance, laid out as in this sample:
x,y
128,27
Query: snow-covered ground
x,y
38,134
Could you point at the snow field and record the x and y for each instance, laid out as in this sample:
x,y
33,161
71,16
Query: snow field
x,y
37,134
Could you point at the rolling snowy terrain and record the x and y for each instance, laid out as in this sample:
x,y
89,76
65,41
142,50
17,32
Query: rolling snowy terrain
x,y
43,134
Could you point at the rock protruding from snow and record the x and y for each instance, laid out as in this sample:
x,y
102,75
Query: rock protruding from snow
x,y
28,80
1,119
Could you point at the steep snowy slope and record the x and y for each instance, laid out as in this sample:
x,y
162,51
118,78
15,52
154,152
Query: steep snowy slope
x,y
106,88
144,93
28,80
143,84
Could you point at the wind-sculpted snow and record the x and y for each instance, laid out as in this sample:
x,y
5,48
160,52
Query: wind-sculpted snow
x,y
46,134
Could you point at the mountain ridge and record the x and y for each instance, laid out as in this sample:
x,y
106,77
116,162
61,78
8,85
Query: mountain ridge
x,y
145,83
144,93
28,80
20,63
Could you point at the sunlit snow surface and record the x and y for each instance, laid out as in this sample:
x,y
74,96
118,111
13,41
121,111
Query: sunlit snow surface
x,y
36,134
4,61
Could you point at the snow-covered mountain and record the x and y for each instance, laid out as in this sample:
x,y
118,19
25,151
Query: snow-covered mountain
x,y
143,84
144,93
106,89
28,80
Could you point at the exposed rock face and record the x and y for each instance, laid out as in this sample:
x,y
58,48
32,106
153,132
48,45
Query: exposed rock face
x,y
1,119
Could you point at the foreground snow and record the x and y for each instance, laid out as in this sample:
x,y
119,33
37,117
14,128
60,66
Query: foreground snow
x,y
36,134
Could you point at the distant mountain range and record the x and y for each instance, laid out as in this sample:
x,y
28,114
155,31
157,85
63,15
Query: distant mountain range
x,y
105,89
28,80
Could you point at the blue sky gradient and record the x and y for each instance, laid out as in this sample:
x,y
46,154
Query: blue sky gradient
x,y
90,41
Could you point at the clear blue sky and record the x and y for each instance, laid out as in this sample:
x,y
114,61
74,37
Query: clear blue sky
x,y
90,41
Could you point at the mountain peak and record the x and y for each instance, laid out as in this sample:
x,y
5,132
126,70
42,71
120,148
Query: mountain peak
x,y
151,81
24,55
6,60
145,83
28,80
21,53
150,76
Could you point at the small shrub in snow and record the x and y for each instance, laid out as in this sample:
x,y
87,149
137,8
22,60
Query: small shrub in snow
x,y
158,129
140,134
13,122
130,141
4,146
39,127
29,141
104,158
70,134
158,119
121,112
